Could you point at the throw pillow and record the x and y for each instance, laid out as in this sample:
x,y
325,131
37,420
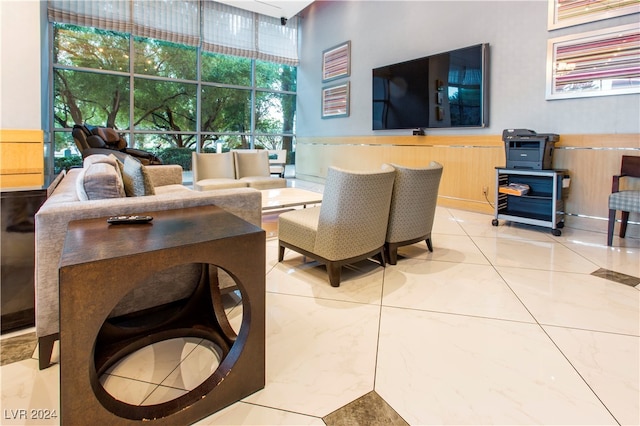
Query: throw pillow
x,y
99,179
137,181
98,158
82,194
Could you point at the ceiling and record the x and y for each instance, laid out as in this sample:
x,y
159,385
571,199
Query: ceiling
x,y
275,8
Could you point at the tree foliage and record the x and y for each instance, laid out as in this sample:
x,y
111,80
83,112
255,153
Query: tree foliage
x,y
92,84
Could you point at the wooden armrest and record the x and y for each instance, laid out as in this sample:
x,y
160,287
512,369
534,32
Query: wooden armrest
x,y
615,185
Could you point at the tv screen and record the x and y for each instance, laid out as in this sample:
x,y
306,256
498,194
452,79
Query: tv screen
x,y
448,89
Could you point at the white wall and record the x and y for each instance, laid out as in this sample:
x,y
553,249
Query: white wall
x,y
20,56
385,32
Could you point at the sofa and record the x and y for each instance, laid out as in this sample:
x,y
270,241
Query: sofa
x,y
234,169
98,190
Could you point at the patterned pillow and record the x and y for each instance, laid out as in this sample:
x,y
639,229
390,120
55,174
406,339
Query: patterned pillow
x,y
137,182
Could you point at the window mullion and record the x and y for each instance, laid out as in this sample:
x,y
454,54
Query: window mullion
x,y
252,125
132,53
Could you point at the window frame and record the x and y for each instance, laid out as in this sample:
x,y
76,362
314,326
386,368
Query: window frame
x,y
130,133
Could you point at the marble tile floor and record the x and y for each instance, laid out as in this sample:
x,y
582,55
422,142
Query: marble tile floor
x,y
499,325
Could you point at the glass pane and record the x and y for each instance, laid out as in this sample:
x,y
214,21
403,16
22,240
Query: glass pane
x,y
274,76
275,113
86,97
225,69
66,153
224,143
277,142
164,59
65,146
225,110
164,105
268,142
167,147
90,48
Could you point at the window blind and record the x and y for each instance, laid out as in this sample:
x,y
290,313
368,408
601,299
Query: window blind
x,y
215,26
232,31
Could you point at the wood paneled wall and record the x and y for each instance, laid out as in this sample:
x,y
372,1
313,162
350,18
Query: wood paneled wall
x,y
469,166
21,158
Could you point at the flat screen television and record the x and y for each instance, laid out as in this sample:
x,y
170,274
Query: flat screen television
x,y
444,90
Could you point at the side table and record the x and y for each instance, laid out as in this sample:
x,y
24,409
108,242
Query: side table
x,y
102,263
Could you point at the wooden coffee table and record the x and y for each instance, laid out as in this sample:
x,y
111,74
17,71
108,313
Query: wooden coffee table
x,y
282,198
102,263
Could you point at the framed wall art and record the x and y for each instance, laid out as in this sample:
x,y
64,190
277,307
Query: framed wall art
x,y
565,13
597,63
336,62
335,101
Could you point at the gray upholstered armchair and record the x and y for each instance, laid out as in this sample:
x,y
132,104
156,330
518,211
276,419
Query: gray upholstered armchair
x,y
349,226
413,206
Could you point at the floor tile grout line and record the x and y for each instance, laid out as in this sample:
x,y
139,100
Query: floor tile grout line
x,y
553,342
458,314
375,364
162,381
355,302
119,376
541,327
615,333
182,359
581,255
244,401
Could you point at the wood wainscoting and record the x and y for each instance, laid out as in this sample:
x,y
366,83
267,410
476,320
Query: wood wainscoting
x,y
21,158
469,166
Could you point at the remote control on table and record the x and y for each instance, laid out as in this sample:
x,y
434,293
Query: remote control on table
x,y
118,220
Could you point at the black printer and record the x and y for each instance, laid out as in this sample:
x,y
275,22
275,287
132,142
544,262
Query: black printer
x,y
526,149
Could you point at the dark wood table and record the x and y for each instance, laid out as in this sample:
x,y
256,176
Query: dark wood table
x,y
102,263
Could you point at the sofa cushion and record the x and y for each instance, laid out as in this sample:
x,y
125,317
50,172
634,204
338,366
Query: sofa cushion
x,y
255,163
218,183
214,166
99,179
171,189
264,182
137,181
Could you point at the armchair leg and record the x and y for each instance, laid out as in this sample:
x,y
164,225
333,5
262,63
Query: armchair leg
x,y
334,269
392,253
280,253
45,350
429,244
612,223
623,224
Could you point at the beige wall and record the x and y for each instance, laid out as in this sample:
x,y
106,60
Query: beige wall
x,y
469,166
20,92
21,136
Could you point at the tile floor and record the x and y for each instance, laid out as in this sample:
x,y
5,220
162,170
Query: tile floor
x,y
499,325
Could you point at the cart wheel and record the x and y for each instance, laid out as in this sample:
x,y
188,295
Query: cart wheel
x,y
556,232
560,225
494,222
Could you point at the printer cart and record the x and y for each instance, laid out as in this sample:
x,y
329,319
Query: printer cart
x,y
543,205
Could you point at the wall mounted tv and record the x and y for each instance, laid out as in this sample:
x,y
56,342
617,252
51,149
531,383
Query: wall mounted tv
x,y
445,90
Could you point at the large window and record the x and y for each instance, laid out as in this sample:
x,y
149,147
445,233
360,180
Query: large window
x,y
167,98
